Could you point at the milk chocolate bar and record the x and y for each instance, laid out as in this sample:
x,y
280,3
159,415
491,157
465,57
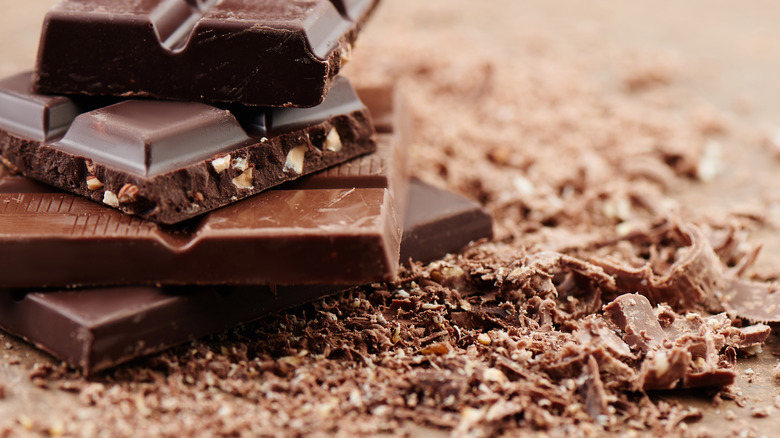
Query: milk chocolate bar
x,y
263,52
170,161
94,329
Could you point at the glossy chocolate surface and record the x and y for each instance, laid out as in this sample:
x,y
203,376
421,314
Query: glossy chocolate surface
x,y
258,52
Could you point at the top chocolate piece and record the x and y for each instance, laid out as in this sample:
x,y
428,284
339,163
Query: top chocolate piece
x,y
259,52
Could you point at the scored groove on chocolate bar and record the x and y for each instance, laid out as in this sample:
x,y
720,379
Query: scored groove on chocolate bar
x,y
175,20
25,203
353,9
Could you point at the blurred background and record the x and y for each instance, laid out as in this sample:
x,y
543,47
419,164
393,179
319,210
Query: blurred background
x,y
731,49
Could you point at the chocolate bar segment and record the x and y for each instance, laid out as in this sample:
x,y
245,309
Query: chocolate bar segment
x,y
94,329
150,138
262,53
34,116
170,161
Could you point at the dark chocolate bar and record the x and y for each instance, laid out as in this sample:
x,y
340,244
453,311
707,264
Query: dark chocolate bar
x,y
171,161
262,53
338,226
95,329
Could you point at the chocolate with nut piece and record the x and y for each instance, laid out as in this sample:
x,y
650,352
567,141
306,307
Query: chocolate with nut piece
x,y
171,161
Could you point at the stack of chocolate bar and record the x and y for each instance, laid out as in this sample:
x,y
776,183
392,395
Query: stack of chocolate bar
x,y
203,166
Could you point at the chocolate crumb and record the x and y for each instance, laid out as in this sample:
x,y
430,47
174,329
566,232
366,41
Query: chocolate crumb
x,y
761,412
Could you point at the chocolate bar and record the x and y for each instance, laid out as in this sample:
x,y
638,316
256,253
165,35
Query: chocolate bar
x,y
262,53
95,329
171,161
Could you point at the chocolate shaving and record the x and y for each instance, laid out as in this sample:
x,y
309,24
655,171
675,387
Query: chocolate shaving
x,y
592,390
681,350
687,275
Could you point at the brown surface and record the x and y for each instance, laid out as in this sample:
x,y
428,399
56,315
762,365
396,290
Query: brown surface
x,y
621,112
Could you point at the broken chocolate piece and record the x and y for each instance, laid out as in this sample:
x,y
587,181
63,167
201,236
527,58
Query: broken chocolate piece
x,y
759,302
693,276
744,338
264,52
594,331
665,369
174,160
633,314
709,379
94,329
686,351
